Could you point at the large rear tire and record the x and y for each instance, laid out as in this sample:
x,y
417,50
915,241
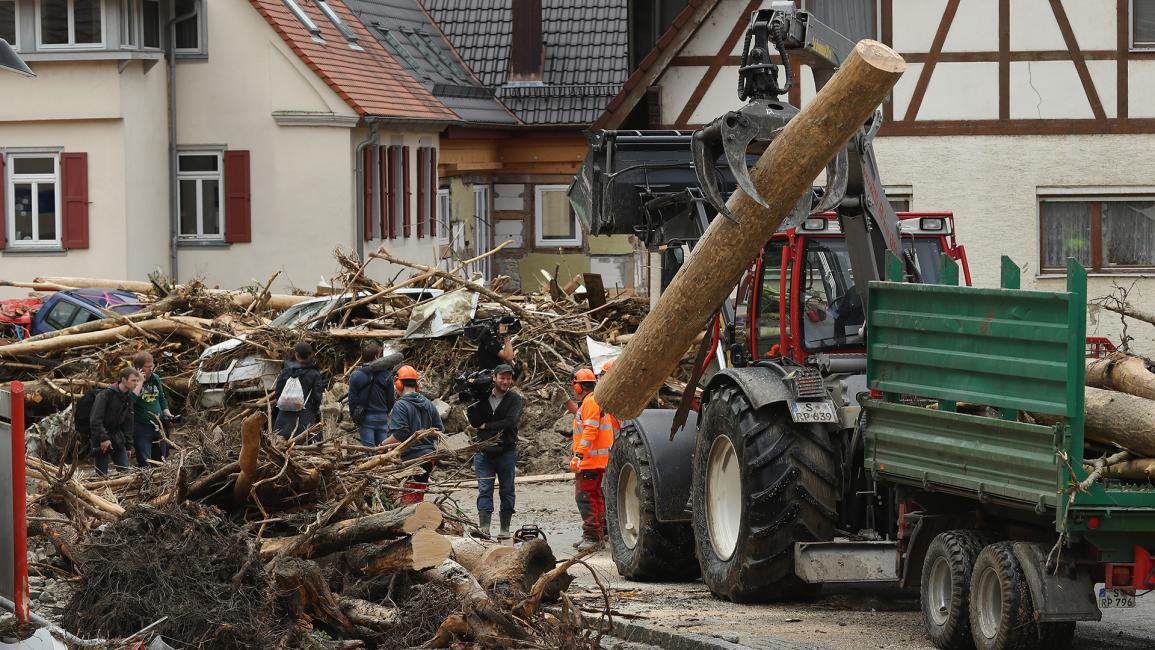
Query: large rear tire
x,y
946,586
761,484
1001,613
643,548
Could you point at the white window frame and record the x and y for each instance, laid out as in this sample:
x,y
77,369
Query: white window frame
x,y
201,30
1088,194
1141,47
900,193
16,34
444,216
72,44
131,34
482,222
538,239
200,177
10,188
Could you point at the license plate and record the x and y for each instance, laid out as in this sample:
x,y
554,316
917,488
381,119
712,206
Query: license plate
x,y
813,412
1112,598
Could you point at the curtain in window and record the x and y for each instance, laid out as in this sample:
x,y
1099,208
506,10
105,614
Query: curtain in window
x,y
1129,233
1066,232
1143,22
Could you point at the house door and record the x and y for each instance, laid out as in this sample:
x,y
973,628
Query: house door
x,y
482,231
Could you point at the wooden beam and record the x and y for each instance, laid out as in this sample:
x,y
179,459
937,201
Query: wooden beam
x,y
1077,57
1122,51
931,58
1004,59
719,60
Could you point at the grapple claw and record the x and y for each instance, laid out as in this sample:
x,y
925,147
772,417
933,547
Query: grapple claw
x,y
707,147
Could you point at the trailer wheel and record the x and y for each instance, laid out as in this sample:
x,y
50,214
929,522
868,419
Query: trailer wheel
x,y
760,484
1001,613
946,584
643,548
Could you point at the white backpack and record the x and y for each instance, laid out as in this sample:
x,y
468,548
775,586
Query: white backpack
x,y
292,397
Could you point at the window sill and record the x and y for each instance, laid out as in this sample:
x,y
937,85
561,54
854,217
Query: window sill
x,y
93,55
551,244
1138,273
192,56
47,251
202,243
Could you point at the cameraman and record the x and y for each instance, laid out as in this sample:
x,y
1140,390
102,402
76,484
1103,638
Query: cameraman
x,y
494,348
496,415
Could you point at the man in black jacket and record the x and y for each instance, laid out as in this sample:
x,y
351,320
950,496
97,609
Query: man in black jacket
x,y
371,394
112,421
497,417
291,419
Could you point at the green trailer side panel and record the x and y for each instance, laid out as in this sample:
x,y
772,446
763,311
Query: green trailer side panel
x,y
986,456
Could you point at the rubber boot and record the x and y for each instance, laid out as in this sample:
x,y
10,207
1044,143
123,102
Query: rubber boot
x,y
506,518
484,520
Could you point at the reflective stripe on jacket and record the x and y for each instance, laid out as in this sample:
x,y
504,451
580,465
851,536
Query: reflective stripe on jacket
x,y
596,435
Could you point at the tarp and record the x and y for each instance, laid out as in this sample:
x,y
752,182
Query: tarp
x,y
444,315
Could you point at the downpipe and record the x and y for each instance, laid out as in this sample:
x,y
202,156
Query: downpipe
x,y
359,179
173,205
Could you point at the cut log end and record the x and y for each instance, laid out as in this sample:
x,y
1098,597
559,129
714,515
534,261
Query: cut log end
x,y
425,515
880,56
429,549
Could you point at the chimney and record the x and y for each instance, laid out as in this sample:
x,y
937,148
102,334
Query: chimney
x,y
526,51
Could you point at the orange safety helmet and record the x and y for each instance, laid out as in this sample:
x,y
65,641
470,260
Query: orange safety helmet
x,y
605,367
404,372
583,376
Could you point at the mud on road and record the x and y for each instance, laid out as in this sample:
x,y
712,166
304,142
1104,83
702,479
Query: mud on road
x,y
843,619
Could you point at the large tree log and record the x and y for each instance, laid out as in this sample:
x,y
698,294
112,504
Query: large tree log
x,y
186,326
421,550
1115,418
343,534
784,172
308,593
251,431
483,621
1122,372
370,615
241,298
507,569
1139,469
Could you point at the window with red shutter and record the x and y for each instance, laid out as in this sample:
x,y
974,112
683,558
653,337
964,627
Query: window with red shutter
x,y
422,179
238,197
405,220
74,182
394,190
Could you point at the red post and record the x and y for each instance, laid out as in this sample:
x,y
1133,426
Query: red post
x,y
19,505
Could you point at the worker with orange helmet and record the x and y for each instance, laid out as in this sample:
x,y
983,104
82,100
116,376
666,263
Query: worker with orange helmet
x,y
592,440
412,412
612,419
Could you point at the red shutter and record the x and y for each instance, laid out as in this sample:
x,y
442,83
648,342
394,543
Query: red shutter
x,y
367,187
422,192
434,204
74,189
383,182
405,221
392,192
3,205
238,198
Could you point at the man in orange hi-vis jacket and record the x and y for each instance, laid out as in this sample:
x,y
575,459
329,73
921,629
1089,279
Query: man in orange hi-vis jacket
x,y
593,437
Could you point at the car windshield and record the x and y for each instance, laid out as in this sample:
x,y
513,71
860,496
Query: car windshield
x,y
832,310
300,314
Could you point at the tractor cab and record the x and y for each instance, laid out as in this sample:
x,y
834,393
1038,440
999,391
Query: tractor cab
x,y
798,299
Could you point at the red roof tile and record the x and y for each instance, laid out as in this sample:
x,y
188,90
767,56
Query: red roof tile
x,y
368,79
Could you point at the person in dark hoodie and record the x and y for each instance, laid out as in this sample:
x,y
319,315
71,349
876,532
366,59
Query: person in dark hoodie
x,y
411,413
371,394
298,394
112,420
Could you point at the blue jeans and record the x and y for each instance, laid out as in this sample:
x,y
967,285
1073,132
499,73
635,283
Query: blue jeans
x,y
500,466
118,454
148,443
374,429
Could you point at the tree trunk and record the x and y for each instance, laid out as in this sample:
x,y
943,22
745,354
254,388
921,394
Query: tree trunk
x,y
784,172
251,431
1140,469
421,550
1122,372
343,534
243,299
370,615
507,568
307,592
1116,419
186,326
484,621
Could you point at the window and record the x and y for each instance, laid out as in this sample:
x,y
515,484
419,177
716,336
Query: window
x,y
33,200
555,223
150,23
8,22
444,216
62,314
200,194
426,188
1142,24
648,21
188,34
482,232
129,16
1107,235
900,198
349,34
311,26
70,23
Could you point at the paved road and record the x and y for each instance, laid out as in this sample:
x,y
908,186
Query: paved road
x,y
847,619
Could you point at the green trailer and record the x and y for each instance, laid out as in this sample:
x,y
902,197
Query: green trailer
x,y
1004,547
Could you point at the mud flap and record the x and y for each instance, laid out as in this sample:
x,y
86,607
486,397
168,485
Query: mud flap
x,y
1066,595
669,460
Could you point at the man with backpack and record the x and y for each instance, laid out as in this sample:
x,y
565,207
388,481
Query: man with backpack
x,y
112,419
411,413
298,394
371,394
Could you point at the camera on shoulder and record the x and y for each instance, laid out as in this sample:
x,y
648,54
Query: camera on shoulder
x,y
473,386
495,327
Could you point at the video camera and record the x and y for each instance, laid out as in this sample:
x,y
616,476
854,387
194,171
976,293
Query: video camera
x,y
494,328
473,386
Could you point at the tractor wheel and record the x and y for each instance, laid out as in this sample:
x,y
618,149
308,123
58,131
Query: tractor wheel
x,y
761,484
1001,612
643,548
946,585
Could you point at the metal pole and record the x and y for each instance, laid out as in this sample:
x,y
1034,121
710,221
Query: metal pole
x,y
19,506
